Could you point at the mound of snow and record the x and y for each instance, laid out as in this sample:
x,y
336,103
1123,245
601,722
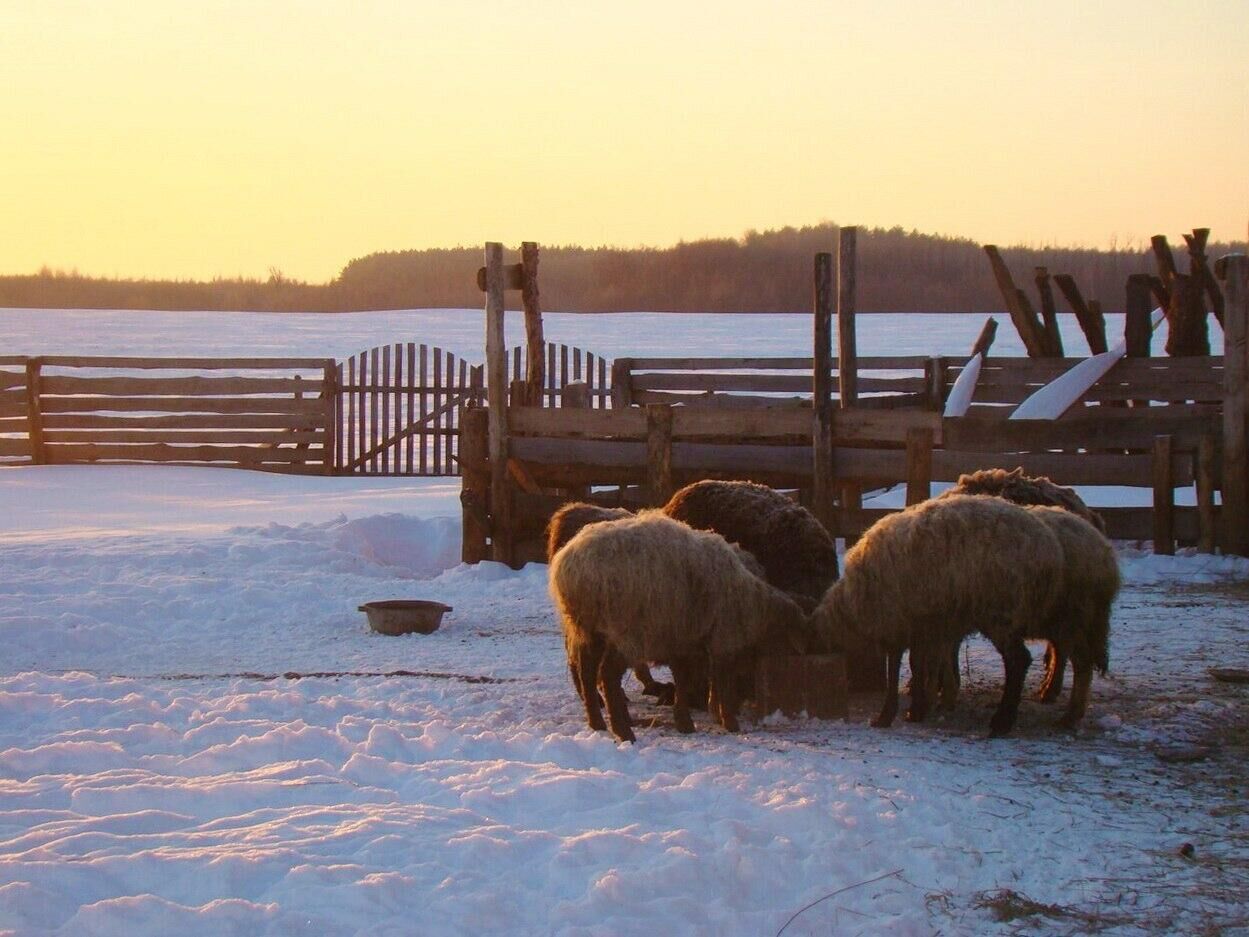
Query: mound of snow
x,y
419,547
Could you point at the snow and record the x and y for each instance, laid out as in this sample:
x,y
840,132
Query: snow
x,y
196,737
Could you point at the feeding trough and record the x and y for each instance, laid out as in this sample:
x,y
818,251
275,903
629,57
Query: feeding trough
x,y
404,616
814,684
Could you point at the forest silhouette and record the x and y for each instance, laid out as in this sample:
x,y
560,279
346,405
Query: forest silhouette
x,y
769,271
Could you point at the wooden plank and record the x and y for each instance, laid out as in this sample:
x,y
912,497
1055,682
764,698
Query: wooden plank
x,y
164,452
1091,321
180,405
362,443
869,363
383,428
274,421
183,364
1090,428
424,454
184,437
375,369
1025,320
1085,468
410,349
774,383
178,386
331,400
1137,328
10,380
14,407
629,423
1164,498
11,361
438,410
1049,316
15,448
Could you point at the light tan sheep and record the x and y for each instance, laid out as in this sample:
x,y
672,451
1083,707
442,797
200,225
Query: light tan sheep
x,y
926,577
1026,490
650,588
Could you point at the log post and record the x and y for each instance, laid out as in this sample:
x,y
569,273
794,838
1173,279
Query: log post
x,y
1234,271
1164,498
474,484
935,371
1206,533
822,428
984,341
1187,332
1166,263
1049,315
1137,330
622,383
659,453
1016,304
535,347
333,426
576,395
847,341
918,465
497,392
34,411
1091,321
1199,269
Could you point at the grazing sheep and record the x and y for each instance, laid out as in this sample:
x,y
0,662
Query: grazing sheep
x,y
1027,490
797,554
1079,626
926,577
650,588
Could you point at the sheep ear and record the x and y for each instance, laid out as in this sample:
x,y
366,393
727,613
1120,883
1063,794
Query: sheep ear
x,y
1017,473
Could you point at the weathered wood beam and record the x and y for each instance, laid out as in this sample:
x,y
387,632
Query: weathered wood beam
x,y
1023,317
535,366
1092,324
1049,316
1234,271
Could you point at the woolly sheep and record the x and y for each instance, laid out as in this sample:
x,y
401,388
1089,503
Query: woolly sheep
x,y
926,577
1026,490
796,552
565,524
650,588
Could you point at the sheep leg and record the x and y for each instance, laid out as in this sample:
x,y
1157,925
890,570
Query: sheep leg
x,y
651,687
610,672
684,673
1055,665
1081,679
885,719
1016,657
585,666
948,680
924,670
723,699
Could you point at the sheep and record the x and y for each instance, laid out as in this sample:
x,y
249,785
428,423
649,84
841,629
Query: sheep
x,y
926,577
1079,626
797,553
1027,490
650,588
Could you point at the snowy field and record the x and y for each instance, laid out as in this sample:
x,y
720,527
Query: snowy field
x,y
199,735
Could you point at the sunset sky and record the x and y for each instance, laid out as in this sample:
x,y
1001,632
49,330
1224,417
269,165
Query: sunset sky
x,y
162,138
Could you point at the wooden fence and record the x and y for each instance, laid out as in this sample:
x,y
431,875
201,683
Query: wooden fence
x,y
1153,424
267,413
14,424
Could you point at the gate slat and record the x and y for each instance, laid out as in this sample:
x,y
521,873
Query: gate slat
x,y
383,457
411,441
375,369
550,374
423,437
602,382
437,404
338,419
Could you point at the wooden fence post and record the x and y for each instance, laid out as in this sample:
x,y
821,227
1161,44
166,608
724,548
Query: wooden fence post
x,y
535,376
1017,305
1164,498
659,452
1137,330
1049,316
1206,533
1092,324
847,341
822,428
333,422
475,484
935,369
622,383
34,412
496,391
1235,513
918,465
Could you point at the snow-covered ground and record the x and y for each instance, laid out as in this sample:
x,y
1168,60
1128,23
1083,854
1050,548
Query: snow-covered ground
x,y
199,735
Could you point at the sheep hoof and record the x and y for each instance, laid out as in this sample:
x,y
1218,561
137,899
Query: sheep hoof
x,y
626,737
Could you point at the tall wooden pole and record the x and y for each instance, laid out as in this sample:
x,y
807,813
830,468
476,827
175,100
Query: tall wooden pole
x,y
1235,273
496,398
1137,330
822,360
847,344
535,348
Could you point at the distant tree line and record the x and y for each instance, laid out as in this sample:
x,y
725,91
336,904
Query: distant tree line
x,y
770,271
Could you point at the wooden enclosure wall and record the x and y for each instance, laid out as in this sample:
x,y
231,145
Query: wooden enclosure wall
x,y
14,425
565,365
265,413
